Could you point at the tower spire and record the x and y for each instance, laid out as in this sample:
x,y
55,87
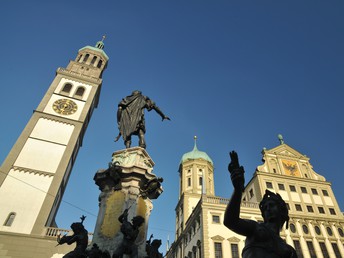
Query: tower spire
x,y
195,146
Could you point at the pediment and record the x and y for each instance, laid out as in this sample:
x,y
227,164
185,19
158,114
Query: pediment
x,y
217,238
233,239
286,151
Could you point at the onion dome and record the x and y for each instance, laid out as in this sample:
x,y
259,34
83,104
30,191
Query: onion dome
x,y
196,154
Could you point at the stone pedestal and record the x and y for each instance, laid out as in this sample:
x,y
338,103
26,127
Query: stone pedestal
x,y
127,183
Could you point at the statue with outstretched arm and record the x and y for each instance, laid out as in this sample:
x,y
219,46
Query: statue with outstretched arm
x,y
130,117
262,239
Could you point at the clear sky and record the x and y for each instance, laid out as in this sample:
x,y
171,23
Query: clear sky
x,y
234,73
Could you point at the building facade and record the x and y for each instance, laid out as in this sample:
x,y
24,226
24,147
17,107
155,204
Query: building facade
x,y
36,171
316,226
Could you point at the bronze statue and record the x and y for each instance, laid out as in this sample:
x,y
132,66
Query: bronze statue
x,y
262,239
130,117
151,187
95,252
152,248
130,232
80,236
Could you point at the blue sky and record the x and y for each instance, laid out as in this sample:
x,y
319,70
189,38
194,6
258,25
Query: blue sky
x,y
234,73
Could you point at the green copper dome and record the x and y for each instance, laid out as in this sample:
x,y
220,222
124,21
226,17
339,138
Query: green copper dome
x,y
196,154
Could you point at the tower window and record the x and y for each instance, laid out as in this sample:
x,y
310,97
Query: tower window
x,y
310,208
78,58
235,250
292,228
332,211
216,219
10,219
305,229
298,207
218,250
93,60
325,193
298,248
311,249
336,249
189,181
67,87
269,185
323,249
321,210
200,180
80,91
329,231
317,230
292,188
281,187
100,63
85,58
314,191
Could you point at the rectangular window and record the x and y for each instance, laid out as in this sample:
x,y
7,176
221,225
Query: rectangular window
x,y
298,248
324,250
281,187
218,250
269,185
298,207
332,211
325,193
189,181
303,189
216,219
321,210
310,208
314,191
311,249
292,188
336,250
235,251
200,180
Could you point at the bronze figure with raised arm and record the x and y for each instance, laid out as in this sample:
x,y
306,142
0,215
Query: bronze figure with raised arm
x,y
262,239
131,117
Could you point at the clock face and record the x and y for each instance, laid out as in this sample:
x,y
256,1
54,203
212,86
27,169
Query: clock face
x,y
291,168
65,106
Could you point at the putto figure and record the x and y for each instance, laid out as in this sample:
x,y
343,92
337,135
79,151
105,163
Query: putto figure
x,y
130,117
262,239
130,232
80,237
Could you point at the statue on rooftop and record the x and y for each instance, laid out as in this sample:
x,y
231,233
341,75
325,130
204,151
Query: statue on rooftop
x,y
80,237
130,117
130,232
262,239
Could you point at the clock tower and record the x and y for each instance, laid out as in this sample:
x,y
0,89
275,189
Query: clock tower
x,y
35,173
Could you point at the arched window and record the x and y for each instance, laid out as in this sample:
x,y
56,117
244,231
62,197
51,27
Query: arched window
x,y
80,91
78,58
85,58
67,87
93,60
100,63
10,219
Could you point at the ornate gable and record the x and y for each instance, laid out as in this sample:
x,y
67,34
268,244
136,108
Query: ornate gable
x,y
284,160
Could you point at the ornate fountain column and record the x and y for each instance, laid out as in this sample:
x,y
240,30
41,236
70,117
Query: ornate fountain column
x,y
128,183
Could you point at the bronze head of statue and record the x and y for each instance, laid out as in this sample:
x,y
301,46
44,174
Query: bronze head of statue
x,y
274,207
